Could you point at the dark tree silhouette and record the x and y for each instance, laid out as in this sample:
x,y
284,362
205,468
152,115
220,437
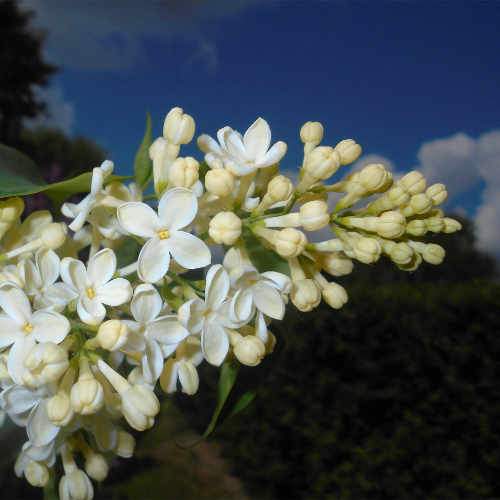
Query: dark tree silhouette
x,y
23,68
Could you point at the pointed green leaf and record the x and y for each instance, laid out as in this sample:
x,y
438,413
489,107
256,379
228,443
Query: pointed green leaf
x,y
142,163
242,403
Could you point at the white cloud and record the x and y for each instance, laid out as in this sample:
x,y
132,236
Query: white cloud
x,y
111,35
59,114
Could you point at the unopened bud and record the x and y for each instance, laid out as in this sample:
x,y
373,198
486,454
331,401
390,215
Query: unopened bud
x,y
419,204
249,350
280,188
112,335
314,215
305,295
435,224
125,444
349,151
437,193
10,211
311,133
45,363
391,224
183,172
321,163
59,409
96,466
433,254
76,486
87,395
401,254
178,127
374,177
413,182
366,250
336,263
334,295
219,182
54,235
416,227
37,474
451,225
290,242
225,228
140,406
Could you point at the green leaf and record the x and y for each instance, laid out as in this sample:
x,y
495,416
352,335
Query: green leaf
x,y
227,378
142,163
263,258
242,403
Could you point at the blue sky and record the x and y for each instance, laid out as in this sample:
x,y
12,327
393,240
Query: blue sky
x,y
402,78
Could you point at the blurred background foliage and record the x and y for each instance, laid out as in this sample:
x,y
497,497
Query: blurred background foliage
x,y
396,396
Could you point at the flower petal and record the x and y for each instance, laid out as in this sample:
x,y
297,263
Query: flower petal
x,y
214,343
114,293
41,430
166,330
146,303
268,300
154,260
48,264
152,362
59,295
257,139
139,219
280,281
49,326
101,267
188,250
236,148
74,274
90,311
31,275
188,377
18,399
10,331
168,378
242,306
273,156
17,355
217,286
15,303
191,315
177,208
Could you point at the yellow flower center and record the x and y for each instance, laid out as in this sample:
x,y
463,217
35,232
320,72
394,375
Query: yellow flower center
x,y
28,328
163,234
90,292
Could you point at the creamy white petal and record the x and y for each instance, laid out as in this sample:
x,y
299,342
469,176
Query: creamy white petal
x,y
177,208
235,147
139,219
90,311
191,315
60,295
279,280
41,430
188,250
101,267
217,286
222,134
241,309
74,274
17,355
15,303
146,303
32,277
273,156
10,331
18,399
166,330
48,264
49,326
208,145
152,362
168,378
268,300
114,293
257,139
188,377
261,330
97,180
214,343
154,260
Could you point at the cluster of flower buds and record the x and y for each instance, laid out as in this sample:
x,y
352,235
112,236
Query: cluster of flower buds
x,y
85,340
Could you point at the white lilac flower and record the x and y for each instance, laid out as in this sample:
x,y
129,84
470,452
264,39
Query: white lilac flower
x,y
181,368
255,290
160,334
21,328
242,155
93,286
80,212
210,317
176,210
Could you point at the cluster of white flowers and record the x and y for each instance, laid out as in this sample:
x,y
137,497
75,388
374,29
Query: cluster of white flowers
x,y
83,344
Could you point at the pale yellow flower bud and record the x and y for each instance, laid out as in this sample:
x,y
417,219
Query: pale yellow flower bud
x,y
75,485
416,227
96,466
280,188
249,350
87,395
140,406
391,225
374,177
413,182
367,250
178,127
225,228
59,409
451,225
183,172
54,235
305,295
45,363
125,445
311,133
348,150
314,215
321,163
10,211
336,263
433,254
419,204
437,193
334,295
435,224
37,474
112,335
219,182
401,253
290,242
